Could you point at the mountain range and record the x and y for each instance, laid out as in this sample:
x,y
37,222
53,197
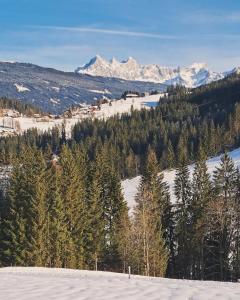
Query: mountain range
x,y
55,91
193,76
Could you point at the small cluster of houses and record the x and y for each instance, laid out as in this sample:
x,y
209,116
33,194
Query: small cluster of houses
x,y
45,118
89,110
84,109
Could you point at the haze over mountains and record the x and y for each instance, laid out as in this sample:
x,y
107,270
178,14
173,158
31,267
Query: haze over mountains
x,y
193,76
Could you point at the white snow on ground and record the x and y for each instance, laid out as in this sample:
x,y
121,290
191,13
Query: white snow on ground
x,y
55,101
130,186
124,106
65,284
55,88
100,92
107,111
21,124
20,88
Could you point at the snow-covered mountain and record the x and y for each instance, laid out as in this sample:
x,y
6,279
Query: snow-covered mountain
x,y
195,75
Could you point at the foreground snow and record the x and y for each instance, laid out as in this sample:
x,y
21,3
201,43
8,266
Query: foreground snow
x,y
65,284
130,186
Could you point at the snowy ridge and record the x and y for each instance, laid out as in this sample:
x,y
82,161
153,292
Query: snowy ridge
x,y
65,284
195,75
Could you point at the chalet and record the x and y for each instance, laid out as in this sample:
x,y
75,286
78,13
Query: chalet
x,y
132,95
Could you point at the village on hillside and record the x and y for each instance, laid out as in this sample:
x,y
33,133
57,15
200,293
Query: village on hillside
x,y
13,123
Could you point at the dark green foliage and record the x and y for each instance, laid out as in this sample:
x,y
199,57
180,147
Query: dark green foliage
x,y
24,226
184,122
64,205
22,108
184,224
58,212
150,229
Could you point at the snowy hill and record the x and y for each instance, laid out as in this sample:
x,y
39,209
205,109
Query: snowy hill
x,y
130,186
13,123
195,75
65,284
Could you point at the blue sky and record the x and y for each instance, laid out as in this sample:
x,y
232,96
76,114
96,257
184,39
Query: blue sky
x,y
67,33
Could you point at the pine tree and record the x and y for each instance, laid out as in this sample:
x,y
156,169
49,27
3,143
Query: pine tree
x,y
170,156
24,221
221,228
57,233
235,245
201,194
183,216
72,190
152,203
13,226
107,208
95,220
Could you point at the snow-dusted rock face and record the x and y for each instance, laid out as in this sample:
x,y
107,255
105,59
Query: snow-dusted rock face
x,y
195,75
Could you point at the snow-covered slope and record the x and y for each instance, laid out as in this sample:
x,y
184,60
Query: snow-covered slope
x,y
130,186
65,284
11,124
195,75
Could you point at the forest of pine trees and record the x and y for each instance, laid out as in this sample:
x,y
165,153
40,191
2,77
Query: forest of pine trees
x,y
64,212
64,207
69,212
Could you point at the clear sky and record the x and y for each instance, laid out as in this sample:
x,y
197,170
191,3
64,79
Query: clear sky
x,y
67,33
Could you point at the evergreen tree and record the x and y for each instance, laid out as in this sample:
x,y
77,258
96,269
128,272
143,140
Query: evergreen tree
x,y
23,235
57,233
170,156
183,221
72,190
235,245
106,209
202,195
152,203
221,213
95,220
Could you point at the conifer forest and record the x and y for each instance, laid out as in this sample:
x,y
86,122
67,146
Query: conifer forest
x,y
63,205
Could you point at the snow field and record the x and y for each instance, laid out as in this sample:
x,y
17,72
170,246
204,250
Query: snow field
x,y
124,106
118,107
64,284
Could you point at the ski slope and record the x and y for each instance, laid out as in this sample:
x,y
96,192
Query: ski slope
x,y
66,284
130,186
